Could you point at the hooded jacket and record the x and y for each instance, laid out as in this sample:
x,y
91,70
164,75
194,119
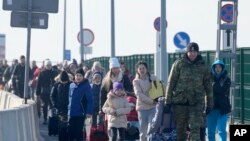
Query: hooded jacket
x,y
80,99
59,96
107,85
221,89
121,106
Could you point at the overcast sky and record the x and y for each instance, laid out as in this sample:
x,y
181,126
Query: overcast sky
x,y
134,29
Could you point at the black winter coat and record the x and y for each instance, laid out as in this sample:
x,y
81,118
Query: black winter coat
x,y
60,97
221,91
96,89
45,82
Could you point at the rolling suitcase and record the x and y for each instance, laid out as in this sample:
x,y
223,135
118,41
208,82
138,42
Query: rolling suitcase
x,y
98,132
63,134
52,123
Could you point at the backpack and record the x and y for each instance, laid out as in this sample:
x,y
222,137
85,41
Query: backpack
x,y
157,89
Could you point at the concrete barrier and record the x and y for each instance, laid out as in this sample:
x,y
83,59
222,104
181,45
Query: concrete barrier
x,y
18,121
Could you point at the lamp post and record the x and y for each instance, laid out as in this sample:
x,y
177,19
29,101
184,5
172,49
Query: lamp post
x,y
164,55
112,28
81,32
64,29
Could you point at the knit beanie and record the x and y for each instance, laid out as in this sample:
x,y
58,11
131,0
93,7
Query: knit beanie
x,y
114,63
64,76
96,74
131,99
80,71
192,47
117,86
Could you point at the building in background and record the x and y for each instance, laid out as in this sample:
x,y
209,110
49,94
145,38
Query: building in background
x,y
2,46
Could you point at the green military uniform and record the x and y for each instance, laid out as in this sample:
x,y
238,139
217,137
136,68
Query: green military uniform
x,y
189,83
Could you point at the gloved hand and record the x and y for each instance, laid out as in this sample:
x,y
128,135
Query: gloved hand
x,y
167,108
208,110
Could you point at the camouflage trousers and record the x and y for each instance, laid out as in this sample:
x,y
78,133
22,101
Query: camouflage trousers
x,y
188,116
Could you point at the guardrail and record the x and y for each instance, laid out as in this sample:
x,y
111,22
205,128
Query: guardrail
x,y
18,121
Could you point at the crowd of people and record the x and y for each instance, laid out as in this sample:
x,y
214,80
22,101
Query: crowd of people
x,y
197,94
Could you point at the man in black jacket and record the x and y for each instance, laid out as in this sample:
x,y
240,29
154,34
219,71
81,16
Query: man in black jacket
x,y
44,85
18,77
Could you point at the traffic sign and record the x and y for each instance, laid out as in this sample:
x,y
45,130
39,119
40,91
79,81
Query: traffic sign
x,y
157,24
67,54
181,40
227,13
87,50
47,6
227,39
88,36
39,20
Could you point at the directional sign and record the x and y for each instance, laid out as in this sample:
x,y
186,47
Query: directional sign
x,y
87,50
88,36
181,40
47,6
227,14
157,24
39,20
227,39
67,54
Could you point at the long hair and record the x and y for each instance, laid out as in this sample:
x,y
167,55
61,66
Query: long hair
x,y
146,66
107,80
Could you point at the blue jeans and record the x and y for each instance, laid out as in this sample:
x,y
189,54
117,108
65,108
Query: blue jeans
x,y
216,120
145,120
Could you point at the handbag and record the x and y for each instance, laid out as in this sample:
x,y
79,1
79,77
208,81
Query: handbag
x,y
132,132
157,89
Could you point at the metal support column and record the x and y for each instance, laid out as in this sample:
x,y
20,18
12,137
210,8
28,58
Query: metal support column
x,y
231,26
112,28
27,62
164,56
81,32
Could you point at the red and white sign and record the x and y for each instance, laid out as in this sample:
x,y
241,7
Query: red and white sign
x,y
88,36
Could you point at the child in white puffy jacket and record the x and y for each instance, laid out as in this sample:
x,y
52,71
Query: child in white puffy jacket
x,y
117,107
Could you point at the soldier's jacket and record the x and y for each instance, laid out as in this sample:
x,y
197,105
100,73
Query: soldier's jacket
x,y
189,82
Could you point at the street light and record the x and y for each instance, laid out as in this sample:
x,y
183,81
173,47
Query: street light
x,y
81,33
64,29
112,28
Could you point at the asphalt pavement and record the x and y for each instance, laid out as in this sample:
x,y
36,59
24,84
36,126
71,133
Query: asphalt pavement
x,y
44,131
45,137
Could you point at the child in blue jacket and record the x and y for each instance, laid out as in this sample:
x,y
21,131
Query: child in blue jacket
x,y
80,105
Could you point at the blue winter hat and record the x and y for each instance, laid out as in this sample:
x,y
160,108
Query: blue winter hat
x,y
117,86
